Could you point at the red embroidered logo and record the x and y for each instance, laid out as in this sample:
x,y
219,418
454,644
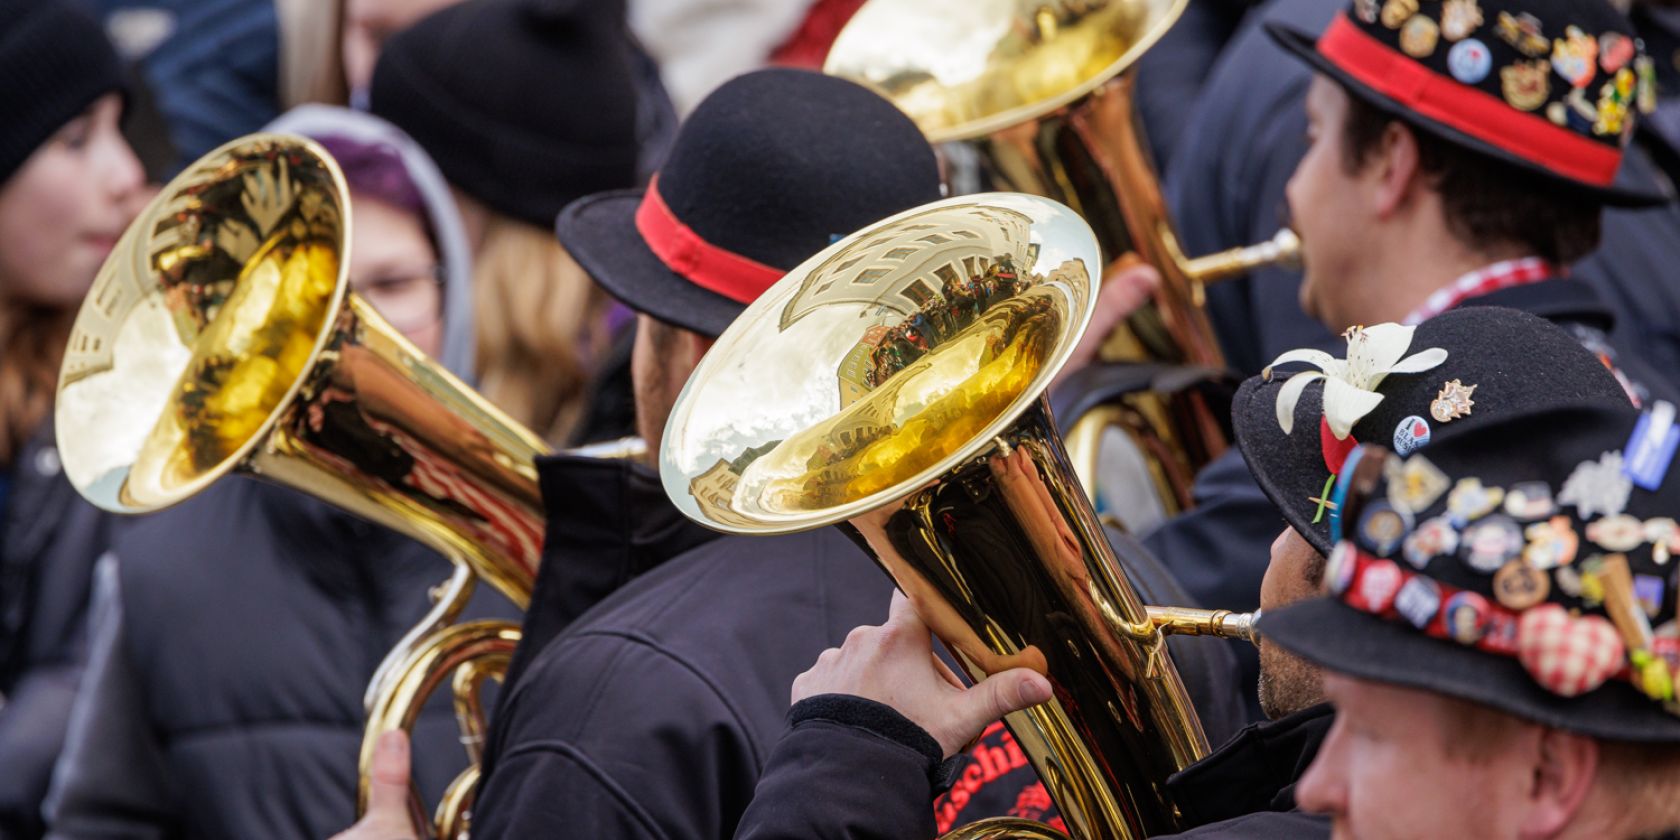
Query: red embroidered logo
x,y
997,781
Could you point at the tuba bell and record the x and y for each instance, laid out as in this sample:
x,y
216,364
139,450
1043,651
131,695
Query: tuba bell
x,y
871,390
1035,96
221,337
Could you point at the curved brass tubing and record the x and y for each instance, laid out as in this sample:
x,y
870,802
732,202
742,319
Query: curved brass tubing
x,y
472,652
454,811
1004,828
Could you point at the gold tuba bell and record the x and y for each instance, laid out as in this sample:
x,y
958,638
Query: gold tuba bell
x,y
869,388
221,336
1035,96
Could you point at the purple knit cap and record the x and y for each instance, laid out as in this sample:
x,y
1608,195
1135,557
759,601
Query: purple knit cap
x,y
376,170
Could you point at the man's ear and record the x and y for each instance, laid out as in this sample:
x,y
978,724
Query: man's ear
x,y
1397,169
1565,766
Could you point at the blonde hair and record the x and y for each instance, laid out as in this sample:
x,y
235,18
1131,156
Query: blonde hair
x,y
538,326
1637,785
311,52
32,340
1642,783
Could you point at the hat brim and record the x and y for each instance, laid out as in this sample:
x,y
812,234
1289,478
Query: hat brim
x,y
1339,638
1624,193
1288,467
599,231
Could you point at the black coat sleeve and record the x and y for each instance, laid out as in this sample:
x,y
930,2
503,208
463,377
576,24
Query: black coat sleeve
x,y
846,768
1225,194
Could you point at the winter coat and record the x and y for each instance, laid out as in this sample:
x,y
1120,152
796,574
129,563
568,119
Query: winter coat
x,y
651,714
236,633
52,537
850,767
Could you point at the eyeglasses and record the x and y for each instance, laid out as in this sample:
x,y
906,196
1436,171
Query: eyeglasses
x,y
410,300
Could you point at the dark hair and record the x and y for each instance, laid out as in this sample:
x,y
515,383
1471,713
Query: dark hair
x,y
32,340
1485,200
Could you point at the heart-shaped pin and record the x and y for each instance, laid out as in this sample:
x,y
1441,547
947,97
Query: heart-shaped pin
x,y
1568,655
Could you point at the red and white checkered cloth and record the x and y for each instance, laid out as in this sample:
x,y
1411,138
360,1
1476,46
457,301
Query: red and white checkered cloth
x,y
1566,654
1503,275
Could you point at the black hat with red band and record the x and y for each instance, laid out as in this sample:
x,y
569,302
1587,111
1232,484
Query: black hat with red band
x,y
1552,87
771,168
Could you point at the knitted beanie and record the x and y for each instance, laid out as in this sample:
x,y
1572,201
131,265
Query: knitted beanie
x,y
54,61
525,106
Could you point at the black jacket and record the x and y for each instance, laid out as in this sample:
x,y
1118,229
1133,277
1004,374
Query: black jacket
x,y
234,637
52,538
1170,74
652,714
875,771
646,717
1246,788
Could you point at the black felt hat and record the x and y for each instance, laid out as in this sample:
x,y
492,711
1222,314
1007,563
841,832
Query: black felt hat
x,y
1551,87
525,106
771,168
1503,361
1517,566
54,62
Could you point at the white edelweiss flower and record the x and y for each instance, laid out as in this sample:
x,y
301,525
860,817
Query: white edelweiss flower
x,y
1350,385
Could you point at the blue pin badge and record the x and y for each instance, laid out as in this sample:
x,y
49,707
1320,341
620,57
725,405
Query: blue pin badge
x,y
1650,449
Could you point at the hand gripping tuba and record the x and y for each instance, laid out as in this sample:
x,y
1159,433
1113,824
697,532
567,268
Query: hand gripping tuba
x,y
1035,96
870,387
221,336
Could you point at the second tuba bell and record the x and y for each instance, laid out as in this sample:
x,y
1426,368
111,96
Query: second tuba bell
x,y
1036,96
869,389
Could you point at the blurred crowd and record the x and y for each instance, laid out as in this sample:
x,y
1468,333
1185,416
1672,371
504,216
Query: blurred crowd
x,y
199,672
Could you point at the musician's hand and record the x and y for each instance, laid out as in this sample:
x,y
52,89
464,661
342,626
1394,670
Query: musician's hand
x,y
387,816
894,664
1129,284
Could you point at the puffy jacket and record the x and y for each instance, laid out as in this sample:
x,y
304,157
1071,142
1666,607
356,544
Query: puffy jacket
x,y
224,698
234,634
52,538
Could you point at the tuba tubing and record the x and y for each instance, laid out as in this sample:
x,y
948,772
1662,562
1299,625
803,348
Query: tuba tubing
x,y
912,415
1039,100
223,322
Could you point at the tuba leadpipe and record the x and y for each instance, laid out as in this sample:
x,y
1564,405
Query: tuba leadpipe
x,y
1188,621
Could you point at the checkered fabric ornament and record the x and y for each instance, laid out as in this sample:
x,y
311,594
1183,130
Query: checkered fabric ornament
x,y
1568,655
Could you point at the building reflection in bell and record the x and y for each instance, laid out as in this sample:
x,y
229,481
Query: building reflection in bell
x,y
905,264
932,381
714,489
879,360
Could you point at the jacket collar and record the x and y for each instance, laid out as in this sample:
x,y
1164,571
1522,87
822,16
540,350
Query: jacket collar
x,y
1254,771
1557,299
608,521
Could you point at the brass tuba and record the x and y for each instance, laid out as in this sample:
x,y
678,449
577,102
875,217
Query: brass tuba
x,y
1035,96
221,336
869,388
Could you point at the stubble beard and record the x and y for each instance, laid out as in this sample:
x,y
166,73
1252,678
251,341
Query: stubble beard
x,y
1288,683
